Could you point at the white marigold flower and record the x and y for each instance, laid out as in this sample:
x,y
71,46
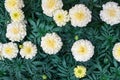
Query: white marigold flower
x,y
110,13
17,15
49,6
16,31
51,43
28,50
82,50
13,4
61,17
80,15
116,51
10,50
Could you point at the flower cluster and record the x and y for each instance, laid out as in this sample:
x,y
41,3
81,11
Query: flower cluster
x,y
10,50
79,15
82,50
53,8
16,32
49,6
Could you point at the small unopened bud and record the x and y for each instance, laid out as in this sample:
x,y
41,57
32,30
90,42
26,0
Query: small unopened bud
x,y
44,77
20,46
76,37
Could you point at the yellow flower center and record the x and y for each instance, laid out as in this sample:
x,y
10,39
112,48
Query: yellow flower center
x,y
8,50
51,3
118,51
15,30
15,16
51,43
111,12
79,71
11,3
60,17
79,16
82,50
28,50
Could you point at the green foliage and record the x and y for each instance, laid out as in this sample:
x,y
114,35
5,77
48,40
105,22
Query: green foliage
x,y
102,66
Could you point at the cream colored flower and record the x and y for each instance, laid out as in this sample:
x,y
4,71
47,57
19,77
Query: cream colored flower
x,y
17,15
28,50
10,50
80,15
13,4
51,43
49,6
16,31
110,13
80,71
82,50
61,17
116,51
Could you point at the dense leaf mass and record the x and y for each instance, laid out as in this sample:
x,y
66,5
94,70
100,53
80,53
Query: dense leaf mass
x,y
102,66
